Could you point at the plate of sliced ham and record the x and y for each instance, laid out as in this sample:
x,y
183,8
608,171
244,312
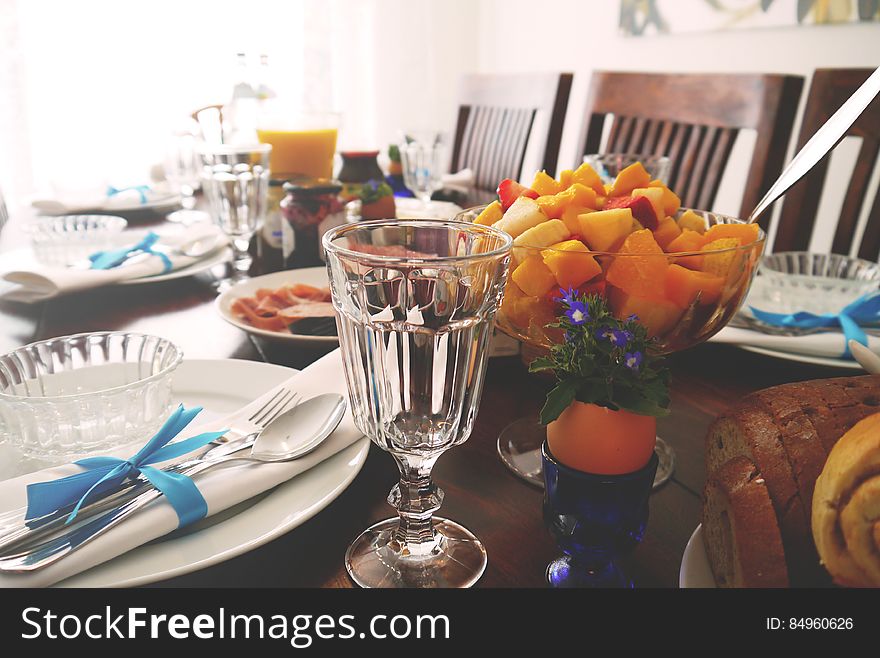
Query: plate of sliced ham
x,y
292,306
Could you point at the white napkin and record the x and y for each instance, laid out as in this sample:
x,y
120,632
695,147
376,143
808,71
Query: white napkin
x,y
409,208
462,180
830,344
89,200
43,282
158,518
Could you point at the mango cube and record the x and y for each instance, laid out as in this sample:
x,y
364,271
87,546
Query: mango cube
x,y
667,231
571,263
671,202
629,179
491,214
586,175
640,266
721,262
658,316
684,286
545,185
604,230
533,277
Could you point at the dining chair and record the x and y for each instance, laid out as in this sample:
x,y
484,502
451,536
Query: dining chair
x,y
695,119
502,117
4,213
829,89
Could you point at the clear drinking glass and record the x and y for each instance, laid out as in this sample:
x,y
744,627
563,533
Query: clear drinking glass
x,y
608,165
235,180
415,303
422,157
183,173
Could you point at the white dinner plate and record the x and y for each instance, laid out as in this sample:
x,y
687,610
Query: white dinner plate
x,y
217,257
695,571
804,358
312,276
221,387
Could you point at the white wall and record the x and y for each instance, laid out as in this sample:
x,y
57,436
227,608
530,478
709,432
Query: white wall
x,y
582,36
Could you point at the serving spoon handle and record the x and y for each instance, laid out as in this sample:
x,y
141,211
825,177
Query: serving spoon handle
x,y
820,143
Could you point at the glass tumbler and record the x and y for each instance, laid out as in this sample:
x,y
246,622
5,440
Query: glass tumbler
x,y
422,156
608,165
415,304
235,180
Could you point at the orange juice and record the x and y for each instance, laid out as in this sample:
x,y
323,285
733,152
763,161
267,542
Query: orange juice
x,y
301,152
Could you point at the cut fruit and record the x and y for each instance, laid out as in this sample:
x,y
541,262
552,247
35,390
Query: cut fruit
x,y
551,205
491,214
720,263
629,179
570,218
545,185
655,196
586,175
745,233
540,236
640,266
604,230
689,241
571,263
671,202
683,286
520,217
509,191
642,208
658,316
554,205
533,277
690,219
566,178
667,231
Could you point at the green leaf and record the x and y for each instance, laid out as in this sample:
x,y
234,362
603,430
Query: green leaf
x,y
558,400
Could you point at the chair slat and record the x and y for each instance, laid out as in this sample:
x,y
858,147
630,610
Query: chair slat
x,y
855,196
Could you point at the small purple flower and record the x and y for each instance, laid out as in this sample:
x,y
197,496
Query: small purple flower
x,y
633,318
632,360
568,296
617,337
577,313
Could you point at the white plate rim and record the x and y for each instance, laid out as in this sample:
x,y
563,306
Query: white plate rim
x,y
695,571
213,259
313,276
803,358
352,458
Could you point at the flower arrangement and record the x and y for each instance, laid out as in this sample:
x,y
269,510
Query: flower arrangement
x,y
603,361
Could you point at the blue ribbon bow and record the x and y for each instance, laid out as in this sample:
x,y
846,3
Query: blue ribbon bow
x,y
140,189
863,311
104,474
105,260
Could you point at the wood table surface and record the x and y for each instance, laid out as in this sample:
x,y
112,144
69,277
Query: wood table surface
x,y
503,511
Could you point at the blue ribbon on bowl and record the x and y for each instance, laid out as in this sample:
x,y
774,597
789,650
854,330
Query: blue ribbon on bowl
x,y
105,474
105,260
864,311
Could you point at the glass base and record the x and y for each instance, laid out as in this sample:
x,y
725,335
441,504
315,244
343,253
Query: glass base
x,y
519,446
565,573
375,560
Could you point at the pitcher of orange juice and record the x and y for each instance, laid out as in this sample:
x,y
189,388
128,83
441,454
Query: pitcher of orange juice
x,y
303,143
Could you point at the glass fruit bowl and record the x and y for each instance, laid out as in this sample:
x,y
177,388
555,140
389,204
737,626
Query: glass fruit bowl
x,y
683,297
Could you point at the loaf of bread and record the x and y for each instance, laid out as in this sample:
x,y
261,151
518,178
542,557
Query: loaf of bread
x,y
846,507
786,433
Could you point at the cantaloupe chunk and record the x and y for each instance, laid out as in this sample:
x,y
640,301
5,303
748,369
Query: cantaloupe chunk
x,y
544,184
690,219
689,241
720,263
490,214
533,277
658,316
745,233
684,285
671,202
667,230
605,230
586,175
571,263
640,266
629,179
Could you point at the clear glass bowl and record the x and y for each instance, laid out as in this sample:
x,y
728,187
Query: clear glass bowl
x,y
63,241
85,393
677,321
794,281
608,165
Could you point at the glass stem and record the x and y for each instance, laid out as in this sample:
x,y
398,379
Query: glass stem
x,y
241,258
416,498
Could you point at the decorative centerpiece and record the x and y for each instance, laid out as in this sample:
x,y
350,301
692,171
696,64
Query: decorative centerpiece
x,y
377,200
598,458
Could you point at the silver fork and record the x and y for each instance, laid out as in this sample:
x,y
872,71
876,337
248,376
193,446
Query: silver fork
x,y
240,436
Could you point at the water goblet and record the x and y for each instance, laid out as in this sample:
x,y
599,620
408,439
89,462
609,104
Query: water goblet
x,y
235,180
415,303
608,165
422,157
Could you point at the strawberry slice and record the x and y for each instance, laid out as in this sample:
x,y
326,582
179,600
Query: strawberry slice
x,y
640,206
509,191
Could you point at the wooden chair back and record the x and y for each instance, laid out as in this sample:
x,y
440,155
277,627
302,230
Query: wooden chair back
x,y
502,117
829,89
694,119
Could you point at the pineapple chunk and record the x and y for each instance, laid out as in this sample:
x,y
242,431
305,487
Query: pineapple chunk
x,y
522,215
605,229
540,236
690,219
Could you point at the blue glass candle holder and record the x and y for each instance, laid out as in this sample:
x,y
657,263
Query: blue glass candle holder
x,y
594,520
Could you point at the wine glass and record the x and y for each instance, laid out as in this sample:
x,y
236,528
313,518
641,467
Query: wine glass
x,y
422,157
675,324
415,304
236,183
182,171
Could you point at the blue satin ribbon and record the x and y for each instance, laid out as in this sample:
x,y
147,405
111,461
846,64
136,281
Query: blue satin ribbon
x,y
863,311
105,474
140,189
105,260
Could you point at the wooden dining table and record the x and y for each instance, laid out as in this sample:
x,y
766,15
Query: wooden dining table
x,y
503,511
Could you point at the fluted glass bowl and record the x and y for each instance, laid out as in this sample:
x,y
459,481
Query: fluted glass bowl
x,y
65,240
794,281
677,314
85,393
